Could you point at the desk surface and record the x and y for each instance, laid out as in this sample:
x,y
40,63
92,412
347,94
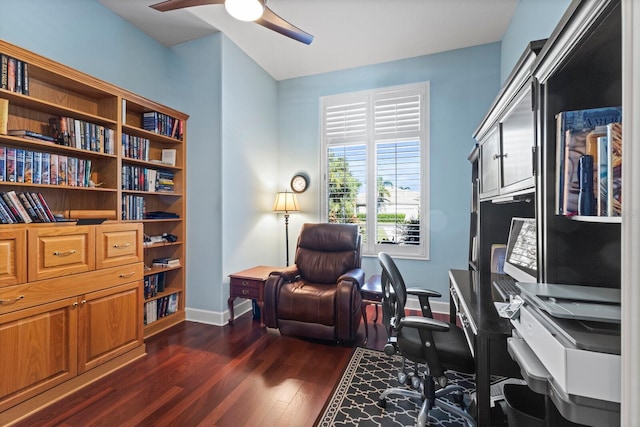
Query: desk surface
x,y
477,293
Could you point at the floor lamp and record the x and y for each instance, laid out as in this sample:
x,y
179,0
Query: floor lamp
x,y
286,202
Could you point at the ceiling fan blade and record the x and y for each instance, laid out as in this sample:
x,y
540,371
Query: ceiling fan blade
x,y
181,4
273,22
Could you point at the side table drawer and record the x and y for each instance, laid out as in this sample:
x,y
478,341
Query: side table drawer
x,y
245,288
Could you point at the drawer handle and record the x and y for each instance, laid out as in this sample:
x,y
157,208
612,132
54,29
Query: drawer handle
x,y
127,275
11,300
65,253
126,245
245,283
245,292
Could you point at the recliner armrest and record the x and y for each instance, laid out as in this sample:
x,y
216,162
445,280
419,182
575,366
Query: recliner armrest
x,y
425,323
289,274
355,276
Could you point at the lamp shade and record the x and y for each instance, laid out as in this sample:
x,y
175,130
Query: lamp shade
x,y
286,202
245,10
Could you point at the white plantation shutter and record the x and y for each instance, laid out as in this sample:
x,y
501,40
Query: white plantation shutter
x,y
375,156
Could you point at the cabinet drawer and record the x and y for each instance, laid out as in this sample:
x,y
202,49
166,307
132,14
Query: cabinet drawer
x,y
118,244
14,298
60,251
13,252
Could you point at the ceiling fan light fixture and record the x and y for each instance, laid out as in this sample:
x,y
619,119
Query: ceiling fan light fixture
x,y
245,10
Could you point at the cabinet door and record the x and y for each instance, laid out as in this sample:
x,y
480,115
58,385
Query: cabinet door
x,y
13,252
118,244
490,164
38,350
110,324
518,140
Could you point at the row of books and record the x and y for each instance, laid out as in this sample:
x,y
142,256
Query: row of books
x,y
83,135
35,167
137,178
589,162
135,147
165,262
160,308
14,74
153,284
24,208
132,207
163,124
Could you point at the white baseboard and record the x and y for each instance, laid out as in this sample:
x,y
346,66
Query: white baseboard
x,y
215,317
244,306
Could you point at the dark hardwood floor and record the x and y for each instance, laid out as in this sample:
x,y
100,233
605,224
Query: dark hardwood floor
x,y
202,375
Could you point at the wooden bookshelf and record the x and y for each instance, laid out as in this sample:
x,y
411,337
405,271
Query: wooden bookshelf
x,y
100,272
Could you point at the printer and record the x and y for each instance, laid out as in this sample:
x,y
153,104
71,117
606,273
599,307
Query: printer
x,y
566,340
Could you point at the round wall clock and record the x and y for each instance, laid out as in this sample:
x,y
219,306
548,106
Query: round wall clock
x,y
299,183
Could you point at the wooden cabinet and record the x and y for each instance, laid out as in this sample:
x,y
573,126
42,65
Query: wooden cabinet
x,y
68,318
112,157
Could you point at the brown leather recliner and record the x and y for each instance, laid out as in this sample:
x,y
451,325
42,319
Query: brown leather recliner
x,y
319,296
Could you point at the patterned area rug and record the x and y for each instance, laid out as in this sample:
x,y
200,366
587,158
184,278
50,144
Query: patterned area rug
x,y
369,372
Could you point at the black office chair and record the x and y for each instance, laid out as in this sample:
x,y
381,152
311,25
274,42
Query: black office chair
x,y
434,345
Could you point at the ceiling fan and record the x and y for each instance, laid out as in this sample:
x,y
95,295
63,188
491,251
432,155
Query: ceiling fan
x,y
245,10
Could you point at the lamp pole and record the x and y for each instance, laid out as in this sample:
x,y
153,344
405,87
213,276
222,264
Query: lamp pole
x,y
286,234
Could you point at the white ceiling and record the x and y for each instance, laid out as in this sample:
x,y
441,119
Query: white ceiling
x,y
348,33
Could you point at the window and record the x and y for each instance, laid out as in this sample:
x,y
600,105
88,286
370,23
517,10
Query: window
x,y
375,156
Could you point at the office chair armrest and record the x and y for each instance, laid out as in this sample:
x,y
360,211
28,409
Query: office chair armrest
x,y
423,296
425,323
419,292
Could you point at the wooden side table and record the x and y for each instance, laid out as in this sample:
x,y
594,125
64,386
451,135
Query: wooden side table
x,y
249,284
371,293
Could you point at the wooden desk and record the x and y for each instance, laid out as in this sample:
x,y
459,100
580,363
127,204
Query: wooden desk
x,y
249,284
472,295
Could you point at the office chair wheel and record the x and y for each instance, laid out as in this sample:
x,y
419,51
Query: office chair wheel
x,y
382,403
415,382
402,377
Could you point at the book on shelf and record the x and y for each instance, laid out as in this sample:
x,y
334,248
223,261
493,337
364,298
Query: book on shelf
x,y
4,115
498,255
572,130
166,262
4,71
11,75
19,207
614,169
3,163
19,165
28,166
11,164
27,134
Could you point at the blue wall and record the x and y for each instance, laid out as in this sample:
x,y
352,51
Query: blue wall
x,y
532,20
463,83
248,134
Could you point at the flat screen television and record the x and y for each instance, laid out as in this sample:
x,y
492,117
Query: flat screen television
x,y
521,260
